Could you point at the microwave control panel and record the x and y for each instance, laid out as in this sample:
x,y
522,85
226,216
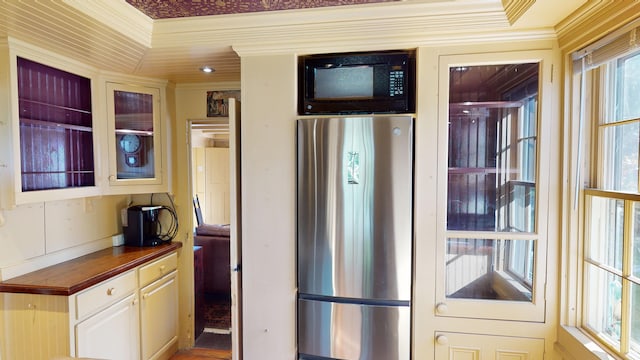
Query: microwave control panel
x,y
396,82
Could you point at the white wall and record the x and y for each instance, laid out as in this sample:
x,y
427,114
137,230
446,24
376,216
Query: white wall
x,y
268,206
41,234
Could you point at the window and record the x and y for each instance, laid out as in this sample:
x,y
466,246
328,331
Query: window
x,y
610,74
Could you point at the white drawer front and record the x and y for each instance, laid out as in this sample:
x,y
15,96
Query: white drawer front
x,y
104,294
158,269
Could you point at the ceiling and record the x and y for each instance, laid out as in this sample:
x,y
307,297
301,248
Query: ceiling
x,y
173,39
187,8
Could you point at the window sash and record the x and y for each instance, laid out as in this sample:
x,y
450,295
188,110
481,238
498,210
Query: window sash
x,y
607,315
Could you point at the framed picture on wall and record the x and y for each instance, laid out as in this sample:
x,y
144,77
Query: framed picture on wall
x,y
218,102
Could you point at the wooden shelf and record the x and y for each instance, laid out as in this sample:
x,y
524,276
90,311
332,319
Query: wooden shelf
x,y
57,107
134,132
57,125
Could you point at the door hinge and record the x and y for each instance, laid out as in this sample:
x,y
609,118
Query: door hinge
x,y
236,268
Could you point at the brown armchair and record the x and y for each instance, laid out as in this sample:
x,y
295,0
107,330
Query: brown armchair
x,y
215,242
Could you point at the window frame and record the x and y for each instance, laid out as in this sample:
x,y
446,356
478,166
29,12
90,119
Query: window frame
x,y
600,83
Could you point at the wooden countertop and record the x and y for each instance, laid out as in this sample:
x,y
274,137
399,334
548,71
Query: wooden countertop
x,y
70,277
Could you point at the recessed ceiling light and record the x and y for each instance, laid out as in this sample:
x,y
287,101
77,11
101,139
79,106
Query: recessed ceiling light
x,y
207,69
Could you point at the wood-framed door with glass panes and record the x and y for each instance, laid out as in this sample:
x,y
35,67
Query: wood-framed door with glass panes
x,y
493,185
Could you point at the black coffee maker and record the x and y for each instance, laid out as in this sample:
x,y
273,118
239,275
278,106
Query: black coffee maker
x,y
143,226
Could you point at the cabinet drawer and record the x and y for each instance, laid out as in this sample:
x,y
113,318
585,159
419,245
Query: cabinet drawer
x,y
158,268
104,294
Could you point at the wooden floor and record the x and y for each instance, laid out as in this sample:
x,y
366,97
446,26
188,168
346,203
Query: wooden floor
x,y
198,353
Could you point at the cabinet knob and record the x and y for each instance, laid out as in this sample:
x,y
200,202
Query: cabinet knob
x,y
111,291
442,308
135,301
112,178
162,267
442,340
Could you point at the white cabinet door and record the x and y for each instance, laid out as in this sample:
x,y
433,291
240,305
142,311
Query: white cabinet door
x,y
493,188
159,316
457,346
136,138
112,333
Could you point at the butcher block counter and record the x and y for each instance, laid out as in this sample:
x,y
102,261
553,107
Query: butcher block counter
x,y
71,276
128,295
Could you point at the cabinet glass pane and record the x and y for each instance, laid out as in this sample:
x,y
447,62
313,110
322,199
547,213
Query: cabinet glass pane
x,y
490,269
56,139
603,303
134,135
493,117
604,236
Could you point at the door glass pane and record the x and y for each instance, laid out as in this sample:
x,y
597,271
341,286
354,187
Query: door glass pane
x,y
603,303
134,135
605,219
489,269
493,122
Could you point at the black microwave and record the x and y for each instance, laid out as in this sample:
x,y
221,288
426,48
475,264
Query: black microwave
x,y
351,83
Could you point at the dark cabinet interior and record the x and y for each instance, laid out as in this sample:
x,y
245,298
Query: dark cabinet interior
x,y
56,137
134,127
492,177
492,147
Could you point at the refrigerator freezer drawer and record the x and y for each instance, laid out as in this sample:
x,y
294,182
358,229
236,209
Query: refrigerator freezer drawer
x,y
353,331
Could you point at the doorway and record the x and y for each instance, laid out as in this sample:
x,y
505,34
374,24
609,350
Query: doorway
x,y
211,166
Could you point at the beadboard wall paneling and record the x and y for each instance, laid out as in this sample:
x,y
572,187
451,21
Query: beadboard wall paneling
x,y
57,27
44,318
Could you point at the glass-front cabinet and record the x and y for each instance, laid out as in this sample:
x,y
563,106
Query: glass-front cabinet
x,y
47,130
54,137
492,232
135,131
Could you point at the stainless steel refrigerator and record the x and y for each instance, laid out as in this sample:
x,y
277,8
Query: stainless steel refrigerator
x,y
354,240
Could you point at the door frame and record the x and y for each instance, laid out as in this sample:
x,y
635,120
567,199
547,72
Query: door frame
x,y
235,223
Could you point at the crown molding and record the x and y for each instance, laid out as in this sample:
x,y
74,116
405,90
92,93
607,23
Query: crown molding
x,y
302,47
514,9
332,25
118,15
593,20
